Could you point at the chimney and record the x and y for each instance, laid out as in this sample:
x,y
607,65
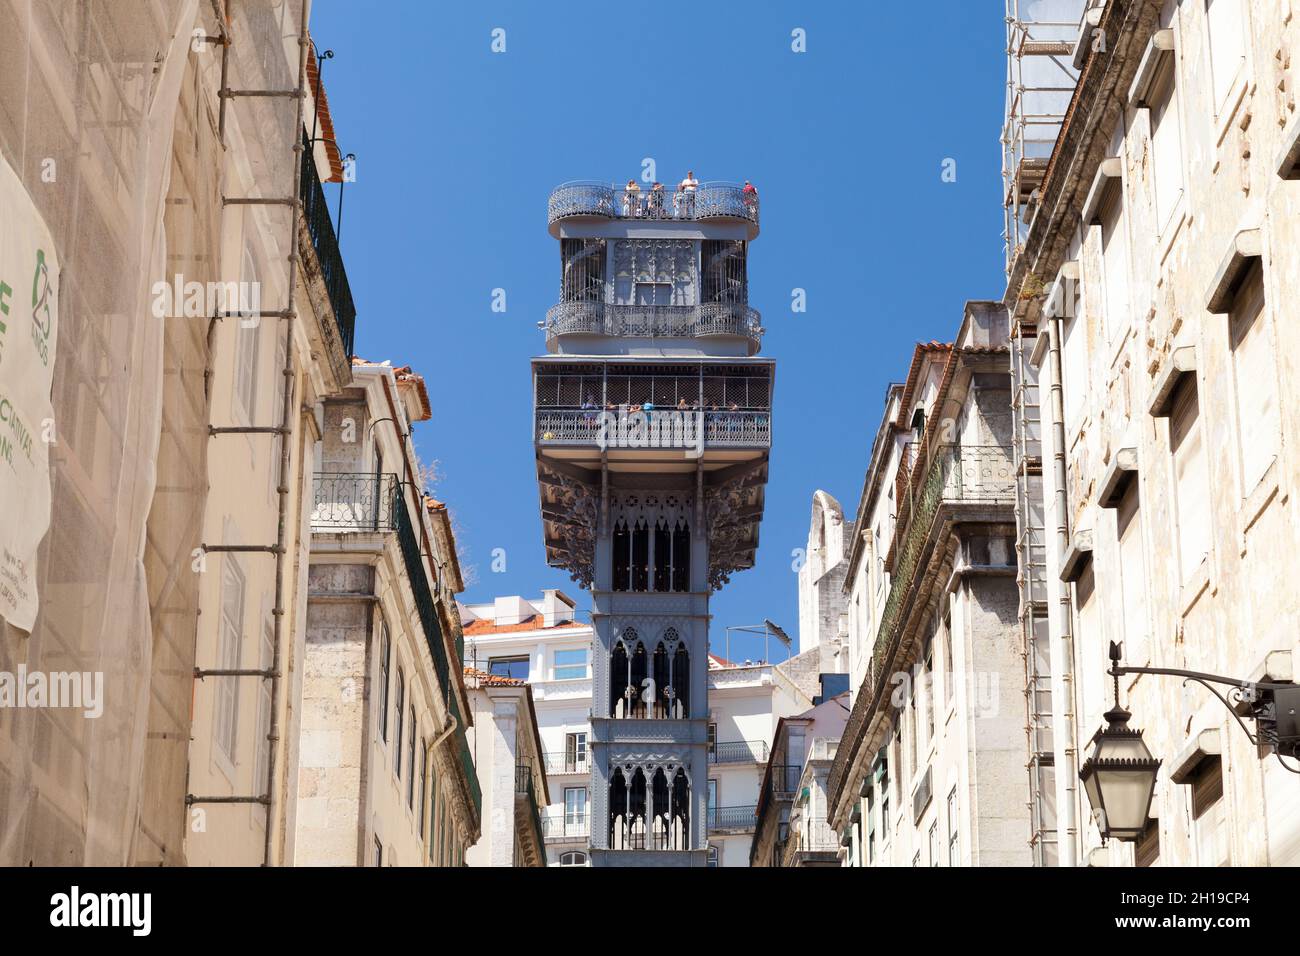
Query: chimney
x,y
511,610
556,608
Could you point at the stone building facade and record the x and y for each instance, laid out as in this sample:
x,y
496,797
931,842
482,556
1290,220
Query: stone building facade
x,y
823,601
1151,303
385,773
929,769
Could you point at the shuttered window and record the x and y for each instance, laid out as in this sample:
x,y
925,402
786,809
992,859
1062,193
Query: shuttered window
x,y
1255,380
1191,489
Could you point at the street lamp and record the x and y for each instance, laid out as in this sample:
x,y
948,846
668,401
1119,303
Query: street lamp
x,y
1120,774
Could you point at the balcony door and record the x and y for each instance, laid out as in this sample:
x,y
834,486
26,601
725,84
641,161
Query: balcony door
x,y
575,753
575,810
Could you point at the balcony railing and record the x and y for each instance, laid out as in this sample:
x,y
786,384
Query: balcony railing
x,y
785,779
565,827
815,835
561,762
654,321
524,788
733,818
426,610
353,502
739,751
708,201
324,241
661,428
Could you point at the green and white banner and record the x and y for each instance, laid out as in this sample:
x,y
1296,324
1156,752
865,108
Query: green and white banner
x,y
29,321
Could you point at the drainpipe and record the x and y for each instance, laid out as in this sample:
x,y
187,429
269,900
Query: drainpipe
x,y
1067,827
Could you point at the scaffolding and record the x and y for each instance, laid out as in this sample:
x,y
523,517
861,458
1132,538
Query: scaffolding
x,y
1031,563
1043,37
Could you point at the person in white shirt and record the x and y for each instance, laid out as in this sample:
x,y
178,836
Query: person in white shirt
x,y
684,201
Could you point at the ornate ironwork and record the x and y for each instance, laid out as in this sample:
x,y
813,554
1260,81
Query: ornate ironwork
x,y
813,835
739,751
561,761
566,827
654,321
344,501
721,429
714,200
325,243
733,818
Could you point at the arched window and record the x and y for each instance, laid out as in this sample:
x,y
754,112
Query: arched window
x,y
681,683
622,556
618,681
682,556
641,556
663,685
663,556
573,858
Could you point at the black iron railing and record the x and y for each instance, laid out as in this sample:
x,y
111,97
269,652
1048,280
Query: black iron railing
x,y
325,242
412,559
566,826
560,761
353,502
738,751
524,788
785,779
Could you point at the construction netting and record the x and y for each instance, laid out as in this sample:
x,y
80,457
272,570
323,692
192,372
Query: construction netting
x,y
110,124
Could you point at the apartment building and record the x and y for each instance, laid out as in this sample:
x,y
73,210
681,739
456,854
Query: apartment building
x,y
385,772
929,768
508,754
543,643
747,699
1150,291
794,809
183,358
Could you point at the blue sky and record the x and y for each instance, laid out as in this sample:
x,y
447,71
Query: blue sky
x,y
458,147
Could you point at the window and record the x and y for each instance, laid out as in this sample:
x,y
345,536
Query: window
x,y
573,858
424,782
410,764
1226,19
713,802
1254,380
1114,263
433,810
1147,849
928,689
1191,490
713,855
1166,142
1074,356
516,667
575,809
954,842
575,752
950,668
248,338
713,739
1209,826
385,662
1132,572
379,853
262,745
871,830
232,632
570,665
934,843
397,738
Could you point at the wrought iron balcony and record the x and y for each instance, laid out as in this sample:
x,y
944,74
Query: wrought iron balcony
x,y
654,321
343,501
713,200
784,780
663,428
325,243
566,827
558,762
733,818
739,751
527,795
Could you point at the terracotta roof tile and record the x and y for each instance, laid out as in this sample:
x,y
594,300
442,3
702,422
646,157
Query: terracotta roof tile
x,y
485,679
534,623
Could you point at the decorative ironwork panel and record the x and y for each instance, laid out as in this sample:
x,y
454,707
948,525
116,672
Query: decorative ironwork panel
x,y
353,502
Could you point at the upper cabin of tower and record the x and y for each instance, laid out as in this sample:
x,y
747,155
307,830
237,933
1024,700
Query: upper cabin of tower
x,y
654,270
